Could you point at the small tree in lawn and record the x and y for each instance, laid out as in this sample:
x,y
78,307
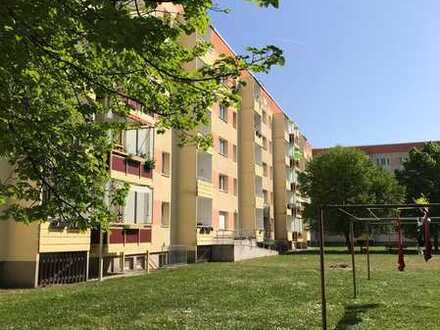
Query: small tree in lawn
x,y
345,176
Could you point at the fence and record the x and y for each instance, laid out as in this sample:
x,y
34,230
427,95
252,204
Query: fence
x,y
62,268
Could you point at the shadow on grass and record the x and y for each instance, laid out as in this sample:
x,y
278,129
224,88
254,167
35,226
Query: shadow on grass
x,y
352,315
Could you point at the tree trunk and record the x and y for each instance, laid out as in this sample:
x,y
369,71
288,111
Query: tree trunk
x,y
347,240
435,237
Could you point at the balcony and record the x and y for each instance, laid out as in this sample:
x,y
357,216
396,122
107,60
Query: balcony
x,y
259,186
258,125
204,166
131,165
210,236
204,212
258,155
122,240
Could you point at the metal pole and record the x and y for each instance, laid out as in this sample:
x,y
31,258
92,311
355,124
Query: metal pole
x,y
321,260
352,257
368,250
100,256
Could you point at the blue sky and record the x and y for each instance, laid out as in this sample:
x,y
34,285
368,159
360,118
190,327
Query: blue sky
x,y
357,72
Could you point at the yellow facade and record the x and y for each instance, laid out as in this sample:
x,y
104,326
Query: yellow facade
x,y
291,152
199,198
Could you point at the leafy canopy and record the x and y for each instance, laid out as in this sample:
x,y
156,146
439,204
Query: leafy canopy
x,y
346,176
420,174
66,63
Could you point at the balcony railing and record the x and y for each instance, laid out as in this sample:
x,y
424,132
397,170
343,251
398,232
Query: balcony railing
x,y
122,236
131,165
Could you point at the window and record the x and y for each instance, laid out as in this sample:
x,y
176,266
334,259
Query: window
x,y
165,163
264,117
139,141
223,183
264,169
234,153
222,220
235,187
118,139
271,172
223,147
138,207
223,113
270,146
257,123
165,214
234,119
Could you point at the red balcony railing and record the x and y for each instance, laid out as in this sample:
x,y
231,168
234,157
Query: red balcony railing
x,y
123,236
122,163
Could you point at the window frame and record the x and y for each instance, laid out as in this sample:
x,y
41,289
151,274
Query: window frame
x,y
134,213
165,173
167,224
225,143
223,183
149,152
223,113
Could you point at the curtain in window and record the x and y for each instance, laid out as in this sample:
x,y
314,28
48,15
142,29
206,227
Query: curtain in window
x,y
130,141
130,206
144,204
142,142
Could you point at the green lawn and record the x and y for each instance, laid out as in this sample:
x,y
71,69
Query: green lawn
x,y
269,293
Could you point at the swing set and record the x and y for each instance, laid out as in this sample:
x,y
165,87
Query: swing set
x,y
375,219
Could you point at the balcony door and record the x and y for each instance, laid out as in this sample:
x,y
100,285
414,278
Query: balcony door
x,y
222,218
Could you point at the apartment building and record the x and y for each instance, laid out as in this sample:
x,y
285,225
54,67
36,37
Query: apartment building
x,y
388,156
142,159
50,252
291,152
206,183
184,203
255,161
24,248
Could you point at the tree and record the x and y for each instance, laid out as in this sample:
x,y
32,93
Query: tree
x,y
66,63
345,176
420,173
420,177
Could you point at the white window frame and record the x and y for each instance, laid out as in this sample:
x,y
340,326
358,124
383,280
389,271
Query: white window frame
x,y
225,217
133,212
223,113
223,147
139,148
163,170
165,223
223,182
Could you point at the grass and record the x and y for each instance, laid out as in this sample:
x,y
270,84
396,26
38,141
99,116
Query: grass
x,y
269,293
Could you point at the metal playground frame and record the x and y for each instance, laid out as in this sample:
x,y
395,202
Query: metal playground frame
x,y
347,209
